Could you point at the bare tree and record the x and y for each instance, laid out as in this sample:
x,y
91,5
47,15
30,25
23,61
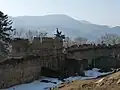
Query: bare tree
x,y
30,36
67,42
81,40
41,35
36,33
18,34
109,39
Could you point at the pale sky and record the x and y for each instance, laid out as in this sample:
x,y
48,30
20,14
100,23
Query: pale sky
x,y
105,12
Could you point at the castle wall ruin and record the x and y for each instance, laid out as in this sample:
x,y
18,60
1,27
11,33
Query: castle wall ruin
x,y
95,53
28,59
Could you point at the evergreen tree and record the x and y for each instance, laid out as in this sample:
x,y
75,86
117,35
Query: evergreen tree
x,y
5,31
59,35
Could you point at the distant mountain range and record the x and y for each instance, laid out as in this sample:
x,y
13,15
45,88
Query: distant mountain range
x,y
70,26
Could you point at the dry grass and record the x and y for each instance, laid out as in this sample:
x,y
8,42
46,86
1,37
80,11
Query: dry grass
x,y
111,82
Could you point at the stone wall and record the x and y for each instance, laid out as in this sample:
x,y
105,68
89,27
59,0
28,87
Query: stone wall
x,y
17,71
92,53
22,47
21,70
106,62
19,47
29,58
100,56
73,66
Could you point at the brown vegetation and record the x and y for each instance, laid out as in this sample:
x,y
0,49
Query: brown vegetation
x,y
111,82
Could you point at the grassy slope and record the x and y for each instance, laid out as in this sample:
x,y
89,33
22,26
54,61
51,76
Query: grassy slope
x,y
111,82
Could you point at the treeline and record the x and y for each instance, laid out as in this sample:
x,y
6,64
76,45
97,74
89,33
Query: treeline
x,y
104,39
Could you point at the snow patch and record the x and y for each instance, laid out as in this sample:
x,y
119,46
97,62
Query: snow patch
x,y
94,73
36,85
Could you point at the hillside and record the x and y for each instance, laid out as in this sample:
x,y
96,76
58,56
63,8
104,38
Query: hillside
x,y
70,26
111,82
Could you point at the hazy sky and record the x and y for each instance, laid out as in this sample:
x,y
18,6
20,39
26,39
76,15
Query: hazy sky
x,y
95,11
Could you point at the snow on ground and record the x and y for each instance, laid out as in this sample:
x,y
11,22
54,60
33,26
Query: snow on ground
x,y
77,78
90,74
37,85
94,73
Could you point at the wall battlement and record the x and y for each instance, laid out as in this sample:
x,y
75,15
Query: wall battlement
x,y
86,47
49,45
